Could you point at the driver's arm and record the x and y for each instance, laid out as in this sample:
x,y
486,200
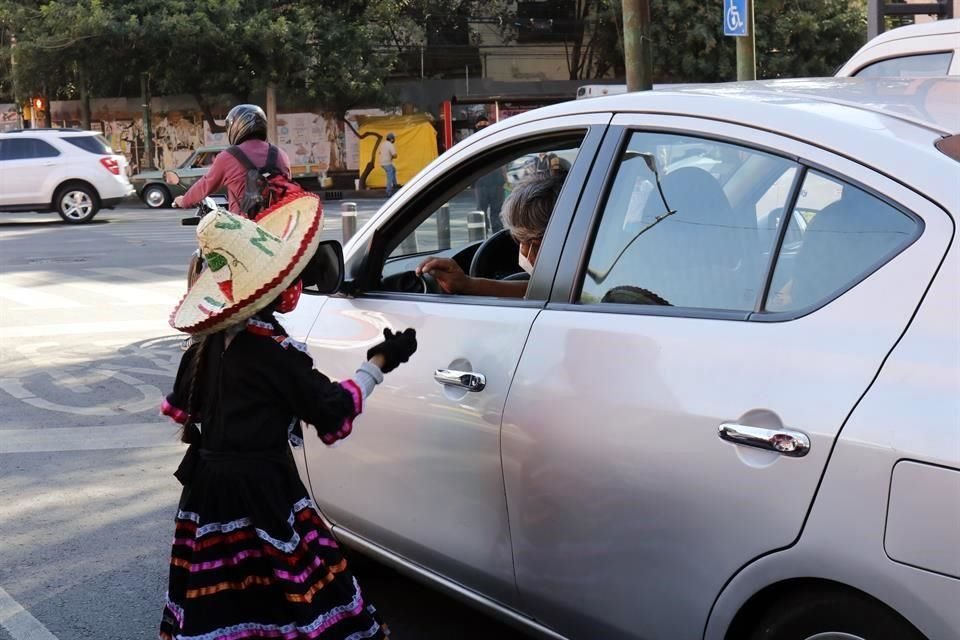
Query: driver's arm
x,y
452,279
210,182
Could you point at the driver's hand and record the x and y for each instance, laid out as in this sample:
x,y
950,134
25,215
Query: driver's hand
x,y
178,202
447,273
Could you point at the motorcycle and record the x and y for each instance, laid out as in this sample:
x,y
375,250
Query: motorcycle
x,y
206,205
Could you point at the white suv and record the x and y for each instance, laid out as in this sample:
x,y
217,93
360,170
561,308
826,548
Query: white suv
x,y
70,171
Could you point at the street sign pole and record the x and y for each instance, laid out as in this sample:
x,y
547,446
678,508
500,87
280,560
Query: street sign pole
x,y
738,22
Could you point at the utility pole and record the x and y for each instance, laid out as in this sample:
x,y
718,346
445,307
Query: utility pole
x,y
147,118
13,75
271,113
747,49
637,46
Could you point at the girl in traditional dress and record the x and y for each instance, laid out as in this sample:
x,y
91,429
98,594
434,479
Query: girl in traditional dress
x,y
251,558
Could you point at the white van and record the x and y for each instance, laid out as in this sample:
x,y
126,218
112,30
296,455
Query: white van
x,y
914,51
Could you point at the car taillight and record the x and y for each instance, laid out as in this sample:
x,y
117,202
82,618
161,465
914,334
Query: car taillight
x,y
111,165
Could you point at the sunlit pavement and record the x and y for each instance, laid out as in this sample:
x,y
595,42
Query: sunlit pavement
x,y
85,461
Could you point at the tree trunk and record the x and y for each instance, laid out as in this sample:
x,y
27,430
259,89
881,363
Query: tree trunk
x,y
207,111
84,95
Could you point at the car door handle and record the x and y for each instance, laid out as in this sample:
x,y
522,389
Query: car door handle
x,y
464,379
783,441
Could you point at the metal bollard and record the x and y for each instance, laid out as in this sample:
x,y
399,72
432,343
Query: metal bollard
x,y
443,228
476,226
348,220
409,246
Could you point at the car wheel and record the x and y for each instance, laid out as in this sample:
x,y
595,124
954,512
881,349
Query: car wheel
x,y
832,614
76,204
156,197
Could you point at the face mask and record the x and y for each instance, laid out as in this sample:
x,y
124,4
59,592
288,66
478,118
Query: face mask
x,y
290,297
525,264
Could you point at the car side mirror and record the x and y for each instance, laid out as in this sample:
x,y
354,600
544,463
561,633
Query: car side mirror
x,y
324,273
171,177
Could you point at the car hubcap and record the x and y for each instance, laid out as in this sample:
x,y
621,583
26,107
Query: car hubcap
x,y
835,635
76,205
155,197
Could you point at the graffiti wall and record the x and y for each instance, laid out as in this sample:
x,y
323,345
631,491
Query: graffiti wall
x,y
317,143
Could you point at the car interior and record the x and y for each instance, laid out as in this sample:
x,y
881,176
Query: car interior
x,y
494,254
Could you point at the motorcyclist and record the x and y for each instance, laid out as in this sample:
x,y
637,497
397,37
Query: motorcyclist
x,y
246,126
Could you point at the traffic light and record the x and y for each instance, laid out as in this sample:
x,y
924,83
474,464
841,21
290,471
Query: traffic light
x,y
38,104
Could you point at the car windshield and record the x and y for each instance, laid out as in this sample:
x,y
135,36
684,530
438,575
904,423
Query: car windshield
x,y
188,163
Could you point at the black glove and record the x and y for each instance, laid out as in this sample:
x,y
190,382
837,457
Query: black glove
x,y
396,348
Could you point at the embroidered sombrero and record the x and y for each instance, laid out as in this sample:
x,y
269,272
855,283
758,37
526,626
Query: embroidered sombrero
x,y
249,262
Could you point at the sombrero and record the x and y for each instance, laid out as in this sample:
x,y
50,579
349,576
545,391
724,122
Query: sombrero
x,y
249,262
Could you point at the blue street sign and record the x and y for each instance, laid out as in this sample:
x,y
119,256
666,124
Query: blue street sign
x,y
735,18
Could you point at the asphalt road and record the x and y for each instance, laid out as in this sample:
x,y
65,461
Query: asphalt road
x,y
85,461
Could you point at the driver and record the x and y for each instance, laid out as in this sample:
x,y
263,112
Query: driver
x,y
247,129
525,214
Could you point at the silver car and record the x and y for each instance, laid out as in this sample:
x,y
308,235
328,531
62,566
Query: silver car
x,y
768,447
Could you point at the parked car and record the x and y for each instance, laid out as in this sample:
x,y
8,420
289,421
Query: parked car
x,y
766,448
158,194
70,171
918,50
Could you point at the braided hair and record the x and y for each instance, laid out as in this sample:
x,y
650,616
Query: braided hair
x,y
209,350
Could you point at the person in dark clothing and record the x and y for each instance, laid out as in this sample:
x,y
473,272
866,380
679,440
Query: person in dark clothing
x,y
251,558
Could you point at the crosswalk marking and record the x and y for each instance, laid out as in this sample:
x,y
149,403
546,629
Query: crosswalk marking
x,y
118,436
18,622
34,298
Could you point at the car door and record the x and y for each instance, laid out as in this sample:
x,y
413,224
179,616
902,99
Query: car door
x,y
671,325
420,477
28,166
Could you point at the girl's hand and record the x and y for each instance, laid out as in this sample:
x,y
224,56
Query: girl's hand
x,y
395,349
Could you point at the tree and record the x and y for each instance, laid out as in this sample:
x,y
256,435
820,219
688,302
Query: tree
x,y
49,33
794,38
206,48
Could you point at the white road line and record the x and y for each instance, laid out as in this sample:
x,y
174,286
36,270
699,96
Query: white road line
x,y
142,276
153,327
34,298
18,622
126,293
118,436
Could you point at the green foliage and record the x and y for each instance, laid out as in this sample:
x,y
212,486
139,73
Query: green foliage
x,y
206,48
794,38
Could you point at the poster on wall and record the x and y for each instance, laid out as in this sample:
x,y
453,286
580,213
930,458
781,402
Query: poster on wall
x,y
8,117
304,137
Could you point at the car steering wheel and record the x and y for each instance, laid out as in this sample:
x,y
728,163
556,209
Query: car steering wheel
x,y
410,282
497,250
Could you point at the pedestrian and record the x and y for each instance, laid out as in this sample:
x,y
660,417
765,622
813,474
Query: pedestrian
x,y
247,134
388,153
489,188
251,558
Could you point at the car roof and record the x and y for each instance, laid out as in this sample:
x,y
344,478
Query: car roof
x,y
924,29
46,131
868,119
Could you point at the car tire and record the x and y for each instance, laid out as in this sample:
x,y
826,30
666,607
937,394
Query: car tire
x,y
832,614
76,203
156,196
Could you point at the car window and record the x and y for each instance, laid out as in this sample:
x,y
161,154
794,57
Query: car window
x,y
203,159
837,235
26,149
457,225
94,144
669,235
915,66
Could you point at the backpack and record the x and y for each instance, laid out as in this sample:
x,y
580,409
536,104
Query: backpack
x,y
265,185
